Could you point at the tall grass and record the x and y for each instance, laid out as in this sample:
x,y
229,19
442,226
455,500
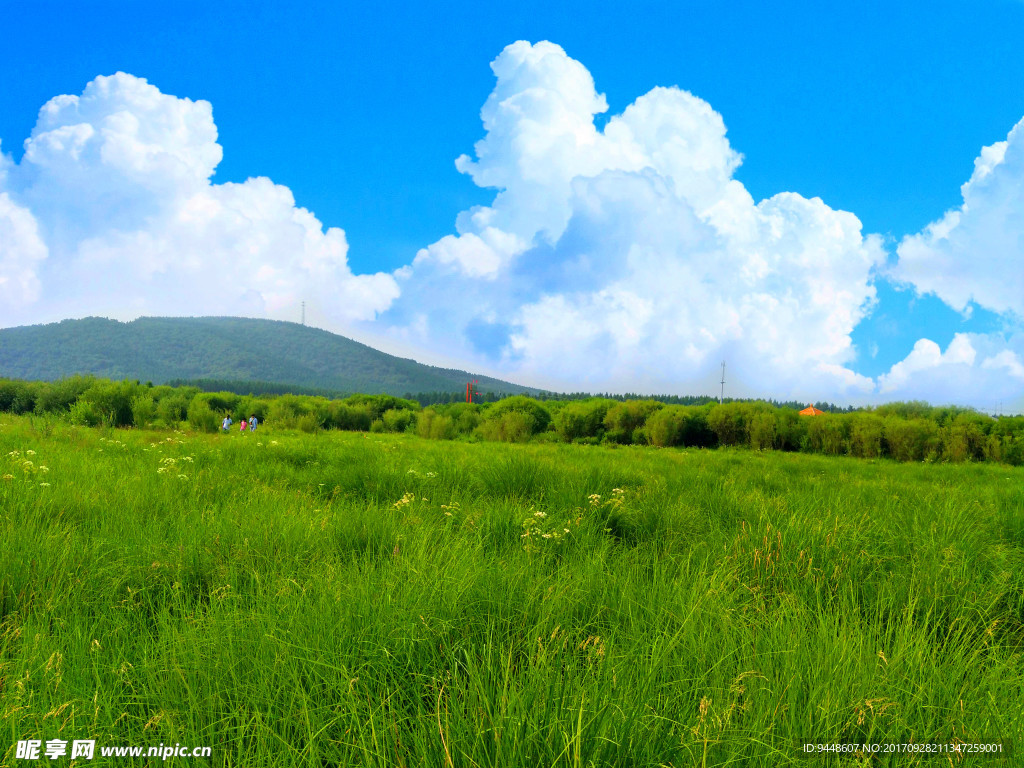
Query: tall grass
x,y
383,600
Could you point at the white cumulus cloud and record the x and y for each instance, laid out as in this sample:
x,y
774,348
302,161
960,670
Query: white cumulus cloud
x,y
628,257
111,211
21,250
617,254
976,252
976,369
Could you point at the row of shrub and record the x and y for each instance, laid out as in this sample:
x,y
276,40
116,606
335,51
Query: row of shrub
x,y
911,431
92,402
902,431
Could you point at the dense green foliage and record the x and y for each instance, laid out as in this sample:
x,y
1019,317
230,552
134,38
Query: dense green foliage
x,y
223,352
342,599
903,431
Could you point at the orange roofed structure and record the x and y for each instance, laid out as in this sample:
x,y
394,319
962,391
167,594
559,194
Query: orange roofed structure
x,y
810,410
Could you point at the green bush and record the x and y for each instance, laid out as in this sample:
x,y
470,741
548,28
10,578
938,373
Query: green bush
x,y
18,396
59,396
866,430
763,430
378,404
143,410
791,430
910,439
464,416
665,426
964,439
310,422
828,434
202,417
623,419
83,414
286,410
251,406
398,419
435,426
221,402
509,427
538,416
173,408
581,418
349,417
113,401
729,423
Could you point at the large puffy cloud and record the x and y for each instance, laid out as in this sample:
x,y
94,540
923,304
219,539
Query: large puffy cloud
x,y
976,252
978,369
973,254
629,257
622,257
21,250
111,211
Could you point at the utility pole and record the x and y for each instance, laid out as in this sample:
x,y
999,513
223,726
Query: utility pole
x,y
721,396
303,313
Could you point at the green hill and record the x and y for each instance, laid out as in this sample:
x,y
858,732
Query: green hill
x,y
163,349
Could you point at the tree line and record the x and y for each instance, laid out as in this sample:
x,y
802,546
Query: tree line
x,y
905,431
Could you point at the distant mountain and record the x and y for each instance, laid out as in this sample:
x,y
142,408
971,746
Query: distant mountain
x,y
163,349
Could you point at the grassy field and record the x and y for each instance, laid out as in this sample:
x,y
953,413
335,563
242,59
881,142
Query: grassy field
x,y
380,600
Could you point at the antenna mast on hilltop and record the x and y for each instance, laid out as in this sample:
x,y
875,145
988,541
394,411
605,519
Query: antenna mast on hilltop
x,y
721,396
303,313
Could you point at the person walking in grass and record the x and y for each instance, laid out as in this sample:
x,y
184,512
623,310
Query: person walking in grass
x,y
243,426
226,424
252,423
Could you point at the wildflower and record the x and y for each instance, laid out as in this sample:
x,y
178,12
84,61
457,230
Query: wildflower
x,y
407,498
538,513
44,485
8,477
30,452
43,469
183,477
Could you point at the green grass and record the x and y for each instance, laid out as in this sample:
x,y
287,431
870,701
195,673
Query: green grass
x,y
371,600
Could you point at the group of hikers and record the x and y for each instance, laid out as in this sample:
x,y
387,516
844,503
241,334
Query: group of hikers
x,y
249,425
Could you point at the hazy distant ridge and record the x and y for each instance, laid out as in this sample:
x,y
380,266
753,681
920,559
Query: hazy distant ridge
x,y
160,349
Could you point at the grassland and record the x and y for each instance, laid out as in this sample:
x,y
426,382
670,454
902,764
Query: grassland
x,y
360,599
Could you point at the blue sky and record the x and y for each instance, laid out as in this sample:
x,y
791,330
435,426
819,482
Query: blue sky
x,y
878,109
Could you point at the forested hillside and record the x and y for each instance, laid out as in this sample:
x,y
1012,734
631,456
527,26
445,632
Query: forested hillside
x,y
164,349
